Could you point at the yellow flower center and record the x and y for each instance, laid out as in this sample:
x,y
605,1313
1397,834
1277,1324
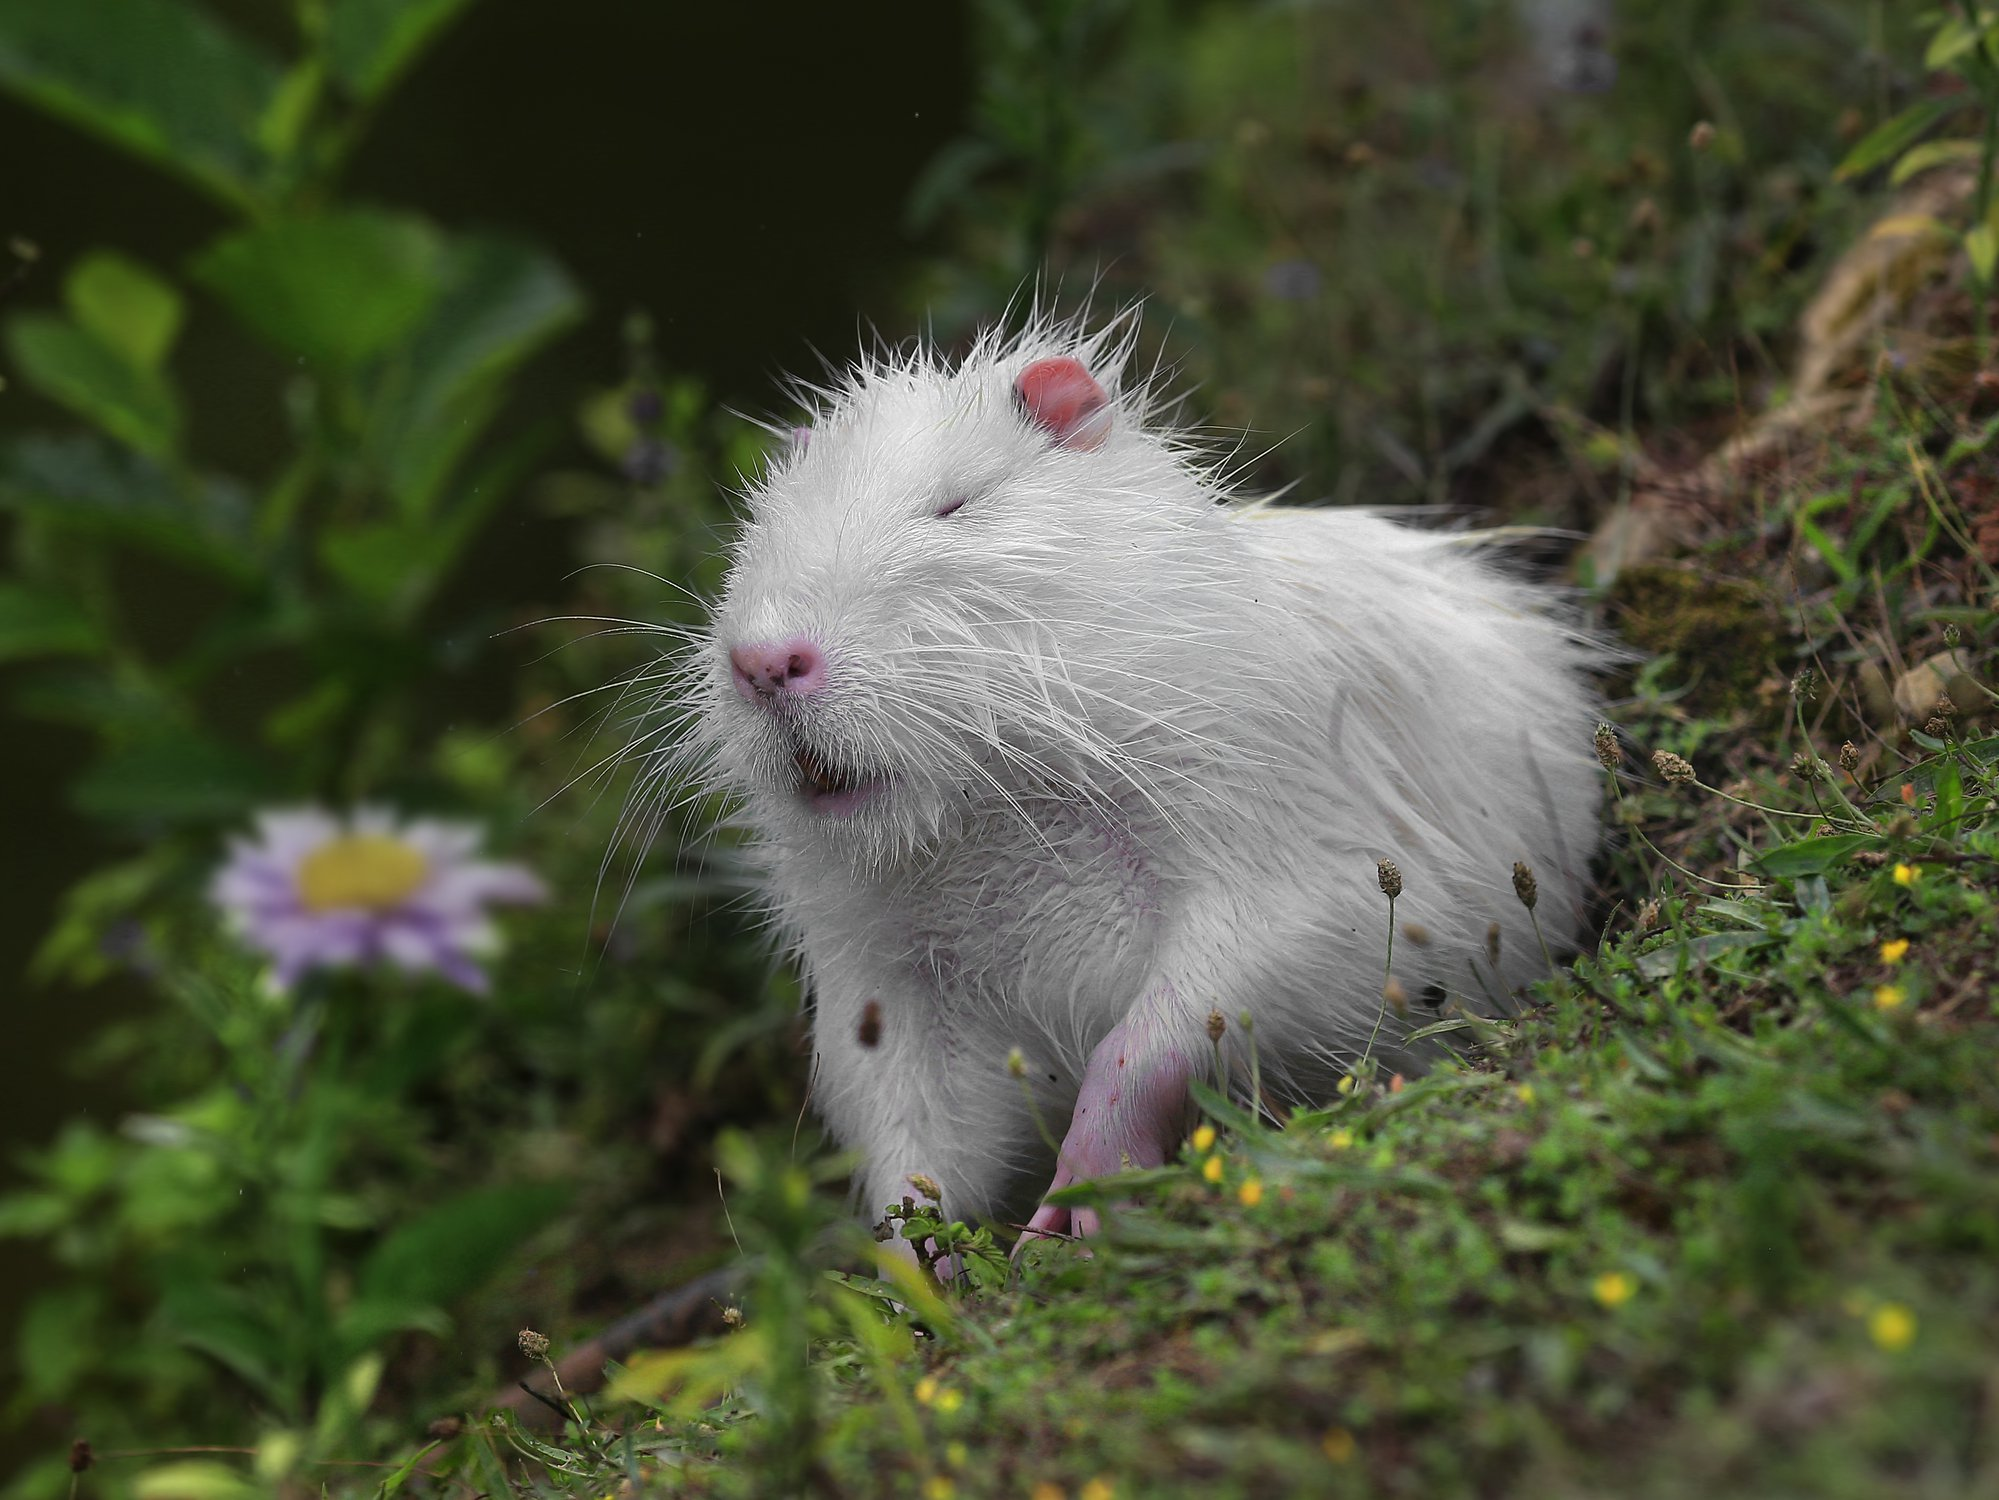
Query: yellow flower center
x,y
1613,1288
1892,1326
367,870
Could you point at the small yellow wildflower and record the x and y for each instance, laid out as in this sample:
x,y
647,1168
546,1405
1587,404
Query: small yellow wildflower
x,y
1212,1169
1892,1326
1048,1490
1341,1139
939,1487
949,1401
1890,997
1894,950
1524,1093
1250,1193
956,1454
1338,1444
926,1390
1204,1138
1907,874
1098,1489
1347,1084
1613,1288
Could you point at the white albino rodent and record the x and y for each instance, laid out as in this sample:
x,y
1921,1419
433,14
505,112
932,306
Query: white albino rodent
x,y
1050,742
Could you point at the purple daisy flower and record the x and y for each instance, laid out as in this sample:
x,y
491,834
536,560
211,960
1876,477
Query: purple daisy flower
x,y
316,891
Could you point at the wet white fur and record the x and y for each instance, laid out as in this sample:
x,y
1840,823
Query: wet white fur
x,y
1145,740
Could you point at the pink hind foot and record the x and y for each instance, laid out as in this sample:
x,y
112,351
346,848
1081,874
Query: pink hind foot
x,y
1131,1112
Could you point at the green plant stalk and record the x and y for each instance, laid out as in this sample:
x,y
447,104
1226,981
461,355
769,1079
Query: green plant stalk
x,y
1547,954
1645,838
1940,513
1387,970
1981,213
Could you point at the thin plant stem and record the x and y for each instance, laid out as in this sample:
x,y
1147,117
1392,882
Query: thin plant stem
x,y
1534,917
1248,1023
1387,972
1646,839
1034,1109
1981,213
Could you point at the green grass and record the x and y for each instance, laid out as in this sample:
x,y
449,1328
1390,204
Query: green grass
x,y
1721,1216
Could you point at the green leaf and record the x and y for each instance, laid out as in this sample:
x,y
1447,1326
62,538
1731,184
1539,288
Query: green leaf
x,y
335,289
227,1327
1117,1186
80,483
1437,1028
60,1340
96,696
489,484
157,77
74,950
500,301
384,563
1812,856
372,42
1223,1110
284,120
1694,952
1933,154
125,306
1910,226
1533,1239
1954,38
367,1321
70,366
1893,136
176,776
1833,555
33,623
456,1246
195,1479
1981,247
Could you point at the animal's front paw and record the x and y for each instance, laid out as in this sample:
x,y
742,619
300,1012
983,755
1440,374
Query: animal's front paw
x,y
1129,1113
1086,1154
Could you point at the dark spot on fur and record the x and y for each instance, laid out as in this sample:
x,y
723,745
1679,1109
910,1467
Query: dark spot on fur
x,y
871,1024
1434,996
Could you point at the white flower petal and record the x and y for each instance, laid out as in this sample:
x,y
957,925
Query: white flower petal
x,y
289,834
441,842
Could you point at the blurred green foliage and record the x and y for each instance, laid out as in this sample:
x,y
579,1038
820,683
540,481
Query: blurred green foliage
x,y
311,1175
1967,45
1403,252
401,338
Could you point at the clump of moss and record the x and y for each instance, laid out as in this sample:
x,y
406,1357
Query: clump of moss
x,y
1720,631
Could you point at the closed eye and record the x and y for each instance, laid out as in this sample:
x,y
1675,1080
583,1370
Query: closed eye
x,y
952,506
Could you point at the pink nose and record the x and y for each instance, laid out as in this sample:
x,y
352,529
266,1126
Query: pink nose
x,y
763,673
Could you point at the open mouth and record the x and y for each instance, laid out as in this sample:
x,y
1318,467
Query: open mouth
x,y
830,789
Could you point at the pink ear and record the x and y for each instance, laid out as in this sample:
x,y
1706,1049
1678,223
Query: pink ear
x,y
1064,400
